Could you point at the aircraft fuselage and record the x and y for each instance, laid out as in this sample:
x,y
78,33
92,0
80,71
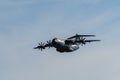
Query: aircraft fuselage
x,y
61,45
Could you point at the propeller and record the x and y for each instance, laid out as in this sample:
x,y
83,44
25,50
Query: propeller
x,y
82,40
49,44
40,46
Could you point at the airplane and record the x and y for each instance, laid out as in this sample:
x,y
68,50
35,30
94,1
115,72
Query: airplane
x,y
66,45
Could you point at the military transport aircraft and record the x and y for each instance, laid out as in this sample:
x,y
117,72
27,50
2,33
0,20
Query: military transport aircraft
x,y
66,45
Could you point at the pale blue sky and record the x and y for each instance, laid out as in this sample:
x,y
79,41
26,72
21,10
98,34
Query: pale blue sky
x,y
24,23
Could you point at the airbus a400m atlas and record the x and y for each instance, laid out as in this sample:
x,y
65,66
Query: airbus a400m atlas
x,y
66,45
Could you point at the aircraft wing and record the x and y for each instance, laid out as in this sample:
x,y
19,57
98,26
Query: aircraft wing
x,y
83,42
91,40
76,36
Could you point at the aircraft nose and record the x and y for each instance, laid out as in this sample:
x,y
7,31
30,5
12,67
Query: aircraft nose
x,y
54,40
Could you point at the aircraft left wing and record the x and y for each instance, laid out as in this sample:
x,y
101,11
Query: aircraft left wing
x,y
78,36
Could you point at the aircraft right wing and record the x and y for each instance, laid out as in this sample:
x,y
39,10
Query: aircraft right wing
x,y
91,40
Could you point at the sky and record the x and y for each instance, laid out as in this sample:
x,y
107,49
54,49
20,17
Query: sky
x,y
24,23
